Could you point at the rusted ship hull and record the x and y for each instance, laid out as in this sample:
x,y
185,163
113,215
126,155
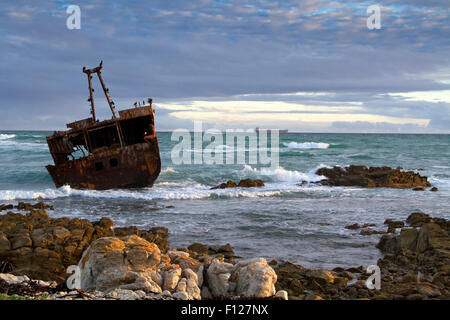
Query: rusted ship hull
x,y
132,166
122,152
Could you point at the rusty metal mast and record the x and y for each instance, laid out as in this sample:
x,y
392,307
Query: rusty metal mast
x,y
105,90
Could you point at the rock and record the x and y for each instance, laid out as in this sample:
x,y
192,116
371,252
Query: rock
x,y
416,219
395,224
184,260
198,248
289,278
322,277
206,294
246,183
226,249
418,189
4,243
311,296
225,185
408,239
171,278
379,177
123,294
218,274
432,236
434,189
43,248
254,278
189,274
157,235
12,279
388,243
282,294
353,226
369,232
250,183
192,289
181,295
20,240
125,263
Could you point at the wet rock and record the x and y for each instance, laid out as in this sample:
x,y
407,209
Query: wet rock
x,y
368,232
246,183
394,224
418,189
250,183
225,185
353,226
380,177
416,219
198,248
434,189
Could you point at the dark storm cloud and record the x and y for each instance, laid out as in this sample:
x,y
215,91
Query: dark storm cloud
x,y
185,49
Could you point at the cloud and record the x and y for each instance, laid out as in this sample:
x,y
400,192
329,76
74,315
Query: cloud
x,y
310,56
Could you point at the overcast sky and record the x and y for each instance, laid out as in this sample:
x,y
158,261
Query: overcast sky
x,y
310,66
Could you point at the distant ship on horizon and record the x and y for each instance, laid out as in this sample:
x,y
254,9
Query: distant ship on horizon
x,y
257,129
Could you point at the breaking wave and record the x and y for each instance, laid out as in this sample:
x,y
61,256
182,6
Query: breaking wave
x,y
6,136
280,174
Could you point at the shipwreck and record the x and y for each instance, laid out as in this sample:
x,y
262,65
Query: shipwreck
x,y
122,152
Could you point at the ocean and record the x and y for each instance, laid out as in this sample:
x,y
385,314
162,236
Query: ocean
x,y
304,224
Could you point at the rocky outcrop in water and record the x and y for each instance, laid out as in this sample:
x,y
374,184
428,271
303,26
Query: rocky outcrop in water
x,y
246,183
373,177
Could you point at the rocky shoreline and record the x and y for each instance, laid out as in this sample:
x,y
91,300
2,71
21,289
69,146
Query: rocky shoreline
x,y
128,263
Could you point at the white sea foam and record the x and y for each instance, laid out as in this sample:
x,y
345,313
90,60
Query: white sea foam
x,y
306,145
6,136
168,170
280,174
439,182
160,191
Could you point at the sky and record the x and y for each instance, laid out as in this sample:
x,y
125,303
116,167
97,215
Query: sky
x,y
306,66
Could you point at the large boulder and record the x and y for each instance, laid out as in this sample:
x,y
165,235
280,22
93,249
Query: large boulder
x,y
254,278
218,276
127,263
